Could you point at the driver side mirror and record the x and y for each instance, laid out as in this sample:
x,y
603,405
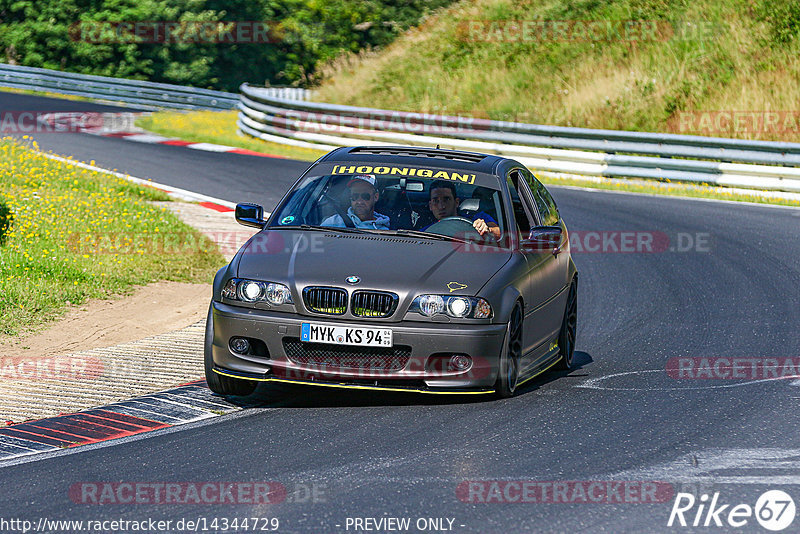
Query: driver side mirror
x,y
250,215
543,239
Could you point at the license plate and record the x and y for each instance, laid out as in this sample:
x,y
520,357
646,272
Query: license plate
x,y
346,335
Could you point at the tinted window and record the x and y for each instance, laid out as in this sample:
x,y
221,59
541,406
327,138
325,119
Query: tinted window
x,y
546,204
520,214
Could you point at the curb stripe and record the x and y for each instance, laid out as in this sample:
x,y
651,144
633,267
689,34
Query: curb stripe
x,y
216,207
184,404
136,421
175,142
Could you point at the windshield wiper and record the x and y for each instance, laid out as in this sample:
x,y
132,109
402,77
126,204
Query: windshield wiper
x,y
421,234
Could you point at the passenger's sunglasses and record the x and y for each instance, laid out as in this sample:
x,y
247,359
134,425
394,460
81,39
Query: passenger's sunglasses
x,y
356,196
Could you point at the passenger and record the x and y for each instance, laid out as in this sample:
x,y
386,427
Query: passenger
x,y
444,203
363,196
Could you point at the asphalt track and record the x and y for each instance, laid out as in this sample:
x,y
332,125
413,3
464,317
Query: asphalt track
x,y
619,416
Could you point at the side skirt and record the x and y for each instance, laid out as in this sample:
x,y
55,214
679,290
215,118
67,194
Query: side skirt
x,y
545,362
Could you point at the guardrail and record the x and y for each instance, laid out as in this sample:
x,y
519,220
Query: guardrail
x,y
556,149
143,94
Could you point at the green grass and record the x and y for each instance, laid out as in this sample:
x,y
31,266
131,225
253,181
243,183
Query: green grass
x,y
217,127
70,234
707,55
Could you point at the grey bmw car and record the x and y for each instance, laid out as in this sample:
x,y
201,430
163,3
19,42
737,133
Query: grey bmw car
x,y
398,268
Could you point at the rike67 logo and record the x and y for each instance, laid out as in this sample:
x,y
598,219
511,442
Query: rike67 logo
x,y
774,510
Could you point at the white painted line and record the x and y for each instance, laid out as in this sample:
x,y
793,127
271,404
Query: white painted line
x,y
219,405
176,192
595,383
201,412
717,465
147,138
210,147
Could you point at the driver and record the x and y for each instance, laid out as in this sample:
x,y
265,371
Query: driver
x,y
444,203
363,196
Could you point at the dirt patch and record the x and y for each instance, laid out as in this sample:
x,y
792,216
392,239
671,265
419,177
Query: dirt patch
x,y
151,310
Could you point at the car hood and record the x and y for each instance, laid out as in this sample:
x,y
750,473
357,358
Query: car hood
x,y
399,264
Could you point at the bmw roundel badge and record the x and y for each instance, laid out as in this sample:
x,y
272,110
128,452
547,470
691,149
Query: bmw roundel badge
x,y
352,279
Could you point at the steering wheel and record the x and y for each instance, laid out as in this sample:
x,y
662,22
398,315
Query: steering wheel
x,y
452,226
348,222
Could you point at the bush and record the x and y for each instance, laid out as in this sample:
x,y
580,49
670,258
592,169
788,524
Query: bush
x,y
6,216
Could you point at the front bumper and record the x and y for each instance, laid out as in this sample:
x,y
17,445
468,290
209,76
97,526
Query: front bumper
x,y
410,367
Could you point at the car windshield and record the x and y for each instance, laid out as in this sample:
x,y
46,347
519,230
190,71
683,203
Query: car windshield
x,y
382,203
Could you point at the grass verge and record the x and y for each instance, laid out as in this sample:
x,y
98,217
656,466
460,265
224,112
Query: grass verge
x,y
696,58
69,234
217,127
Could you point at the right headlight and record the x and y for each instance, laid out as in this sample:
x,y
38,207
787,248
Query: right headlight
x,y
257,291
456,306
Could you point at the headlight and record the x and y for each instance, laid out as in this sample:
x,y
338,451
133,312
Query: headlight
x,y
256,291
430,304
452,306
278,294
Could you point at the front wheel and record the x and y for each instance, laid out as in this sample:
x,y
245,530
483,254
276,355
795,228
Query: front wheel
x,y
222,385
566,338
508,375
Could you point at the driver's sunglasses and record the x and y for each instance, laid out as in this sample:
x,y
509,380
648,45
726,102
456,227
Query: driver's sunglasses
x,y
363,196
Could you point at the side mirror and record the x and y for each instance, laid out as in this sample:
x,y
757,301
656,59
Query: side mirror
x,y
250,215
543,239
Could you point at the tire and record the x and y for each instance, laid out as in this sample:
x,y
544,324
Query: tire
x,y
222,385
569,326
508,374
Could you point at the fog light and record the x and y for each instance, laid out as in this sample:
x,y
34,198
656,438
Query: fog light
x,y
460,362
240,345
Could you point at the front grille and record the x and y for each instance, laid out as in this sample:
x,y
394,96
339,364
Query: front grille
x,y
373,304
333,357
330,300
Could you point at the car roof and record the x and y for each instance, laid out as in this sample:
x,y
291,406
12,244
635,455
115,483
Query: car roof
x,y
451,159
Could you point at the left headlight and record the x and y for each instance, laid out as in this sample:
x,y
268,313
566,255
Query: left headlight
x,y
453,306
257,291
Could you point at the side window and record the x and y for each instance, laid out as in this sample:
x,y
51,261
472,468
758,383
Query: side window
x,y
547,206
521,215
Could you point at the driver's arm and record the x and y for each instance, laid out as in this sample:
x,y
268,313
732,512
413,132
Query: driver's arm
x,y
482,227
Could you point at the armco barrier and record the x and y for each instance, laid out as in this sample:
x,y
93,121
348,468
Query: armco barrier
x,y
142,94
618,154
